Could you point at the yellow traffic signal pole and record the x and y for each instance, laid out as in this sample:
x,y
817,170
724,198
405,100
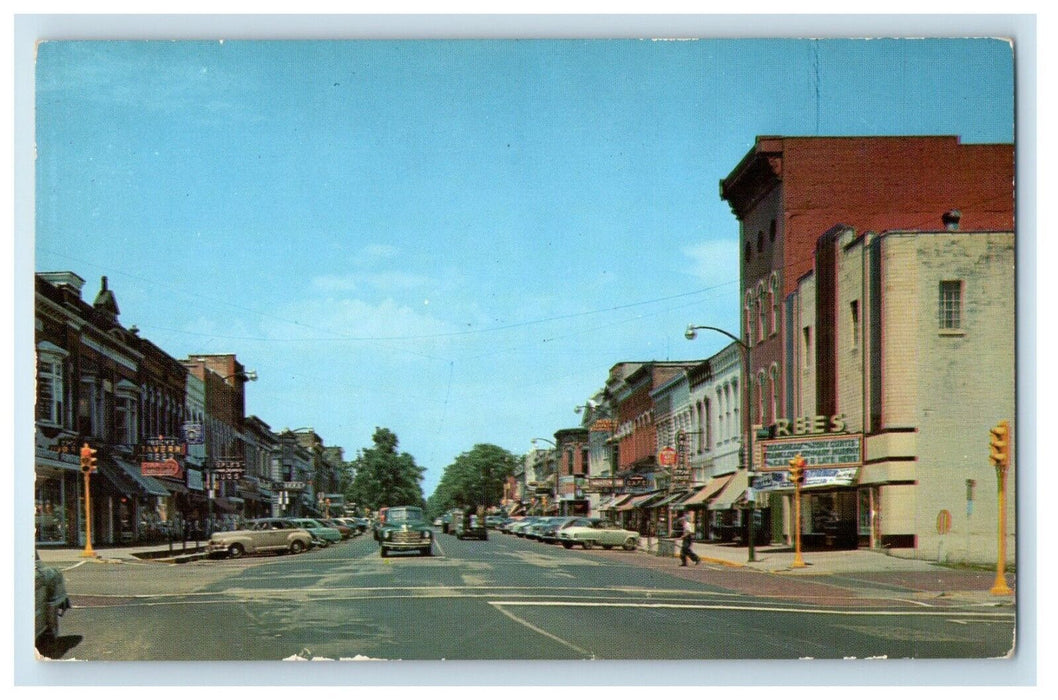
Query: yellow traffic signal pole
x,y
1001,459
86,469
797,476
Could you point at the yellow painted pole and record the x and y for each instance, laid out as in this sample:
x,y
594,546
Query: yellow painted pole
x,y
1000,587
88,552
798,562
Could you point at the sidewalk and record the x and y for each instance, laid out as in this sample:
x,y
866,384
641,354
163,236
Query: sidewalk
x,y
157,553
864,573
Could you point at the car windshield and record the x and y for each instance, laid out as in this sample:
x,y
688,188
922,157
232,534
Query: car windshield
x,y
404,515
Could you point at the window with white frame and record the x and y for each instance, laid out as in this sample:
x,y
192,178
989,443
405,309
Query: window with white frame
x,y
949,309
51,384
125,413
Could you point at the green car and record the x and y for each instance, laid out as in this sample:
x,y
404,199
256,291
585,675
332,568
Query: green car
x,y
321,534
405,529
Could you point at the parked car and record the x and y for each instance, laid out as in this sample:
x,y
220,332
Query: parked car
x,y
495,522
520,527
405,529
536,530
344,530
51,601
598,533
511,522
469,526
322,535
262,535
549,533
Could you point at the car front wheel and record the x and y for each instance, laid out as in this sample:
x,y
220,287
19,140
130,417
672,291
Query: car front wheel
x,y
236,550
383,552
297,547
630,544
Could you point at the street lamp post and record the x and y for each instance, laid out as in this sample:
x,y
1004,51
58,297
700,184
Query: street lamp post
x,y
747,393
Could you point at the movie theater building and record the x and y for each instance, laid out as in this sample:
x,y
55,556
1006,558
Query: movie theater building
x,y
899,359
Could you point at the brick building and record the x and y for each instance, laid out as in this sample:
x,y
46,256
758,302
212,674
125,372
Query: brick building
x,y
829,312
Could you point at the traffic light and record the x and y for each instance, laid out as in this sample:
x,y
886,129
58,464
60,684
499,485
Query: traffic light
x,y
999,444
797,470
88,459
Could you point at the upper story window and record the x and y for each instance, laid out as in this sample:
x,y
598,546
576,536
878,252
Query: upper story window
x,y
806,359
854,317
51,384
761,328
775,311
949,311
125,422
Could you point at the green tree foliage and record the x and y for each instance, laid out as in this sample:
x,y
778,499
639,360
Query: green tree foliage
x,y
384,476
474,478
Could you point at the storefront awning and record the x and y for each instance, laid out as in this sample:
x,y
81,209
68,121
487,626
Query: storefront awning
x,y
641,500
145,484
734,491
711,489
615,501
669,500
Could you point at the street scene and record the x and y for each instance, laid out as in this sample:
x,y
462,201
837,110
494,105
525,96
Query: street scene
x,y
543,350
513,597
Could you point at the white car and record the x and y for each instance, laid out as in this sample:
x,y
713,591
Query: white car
x,y
598,533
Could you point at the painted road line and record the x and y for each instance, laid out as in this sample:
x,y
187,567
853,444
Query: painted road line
x,y
753,608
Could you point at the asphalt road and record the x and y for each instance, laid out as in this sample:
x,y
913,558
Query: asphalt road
x,y
506,598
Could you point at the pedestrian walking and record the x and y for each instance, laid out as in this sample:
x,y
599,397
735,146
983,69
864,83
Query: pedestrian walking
x,y
686,534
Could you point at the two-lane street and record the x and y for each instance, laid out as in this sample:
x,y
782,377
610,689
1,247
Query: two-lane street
x,y
504,598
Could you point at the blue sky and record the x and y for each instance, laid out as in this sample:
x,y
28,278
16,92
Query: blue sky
x,y
452,239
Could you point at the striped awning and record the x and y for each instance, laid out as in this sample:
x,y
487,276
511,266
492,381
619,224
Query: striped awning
x,y
711,489
733,491
669,500
641,501
615,501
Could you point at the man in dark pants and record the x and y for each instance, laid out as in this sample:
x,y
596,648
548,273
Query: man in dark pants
x,y
686,533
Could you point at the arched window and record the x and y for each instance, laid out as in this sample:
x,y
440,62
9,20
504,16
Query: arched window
x,y
760,312
776,311
748,308
773,391
759,403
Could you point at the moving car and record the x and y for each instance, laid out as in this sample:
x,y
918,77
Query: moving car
x,y
51,601
262,535
598,533
322,535
469,526
404,529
